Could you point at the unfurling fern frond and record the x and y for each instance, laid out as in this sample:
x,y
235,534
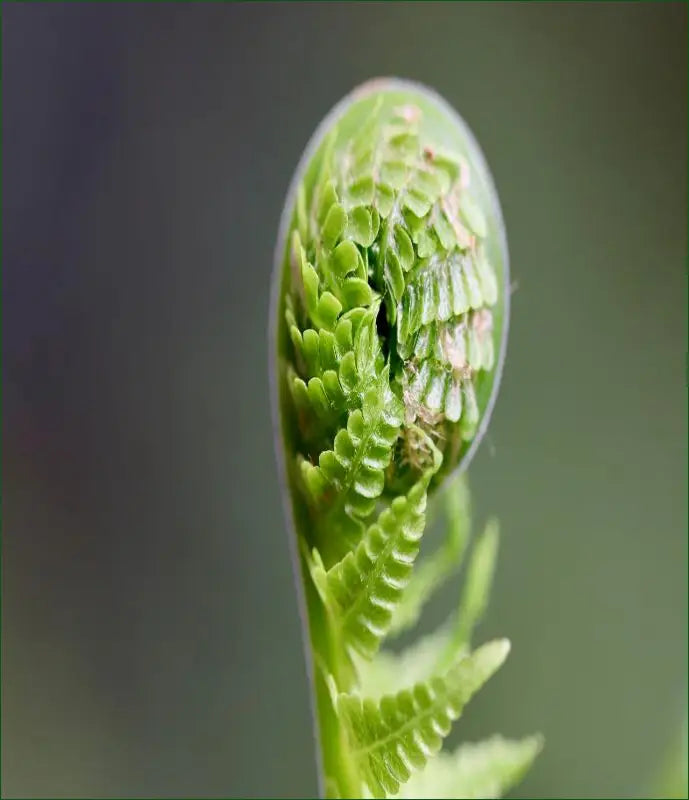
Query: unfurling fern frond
x,y
390,307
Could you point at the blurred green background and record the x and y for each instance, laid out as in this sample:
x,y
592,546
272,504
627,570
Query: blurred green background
x,y
151,644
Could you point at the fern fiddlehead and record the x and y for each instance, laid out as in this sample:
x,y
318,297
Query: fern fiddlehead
x,y
390,317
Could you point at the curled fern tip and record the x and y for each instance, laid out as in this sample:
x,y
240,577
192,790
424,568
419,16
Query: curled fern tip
x,y
390,316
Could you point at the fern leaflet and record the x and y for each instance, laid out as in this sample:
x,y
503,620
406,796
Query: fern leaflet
x,y
475,771
392,738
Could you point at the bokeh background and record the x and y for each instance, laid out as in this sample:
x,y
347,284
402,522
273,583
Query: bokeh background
x,y
151,645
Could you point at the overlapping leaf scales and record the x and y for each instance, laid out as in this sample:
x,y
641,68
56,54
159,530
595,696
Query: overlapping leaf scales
x,y
394,737
441,360
443,286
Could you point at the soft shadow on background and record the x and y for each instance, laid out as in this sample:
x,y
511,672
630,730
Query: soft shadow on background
x,y
151,644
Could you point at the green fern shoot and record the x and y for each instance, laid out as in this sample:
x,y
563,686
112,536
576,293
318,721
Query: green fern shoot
x,y
389,315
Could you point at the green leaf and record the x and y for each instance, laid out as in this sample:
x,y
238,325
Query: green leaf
x,y
417,203
356,292
349,478
326,195
484,770
440,288
347,260
322,307
435,653
392,738
367,584
363,226
475,593
334,225
384,199
404,143
362,191
443,229
442,360
473,215
433,571
487,279
394,173
405,249
346,360
449,164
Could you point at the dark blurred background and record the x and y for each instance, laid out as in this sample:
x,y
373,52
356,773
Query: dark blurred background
x,y
151,644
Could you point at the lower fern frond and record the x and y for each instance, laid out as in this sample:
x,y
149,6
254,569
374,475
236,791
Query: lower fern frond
x,y
397,708
395,736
